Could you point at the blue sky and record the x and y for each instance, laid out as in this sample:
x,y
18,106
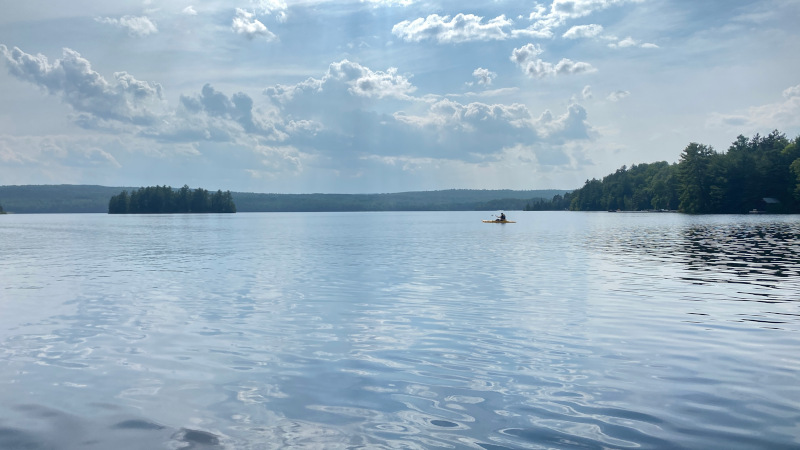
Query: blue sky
x,y
383,95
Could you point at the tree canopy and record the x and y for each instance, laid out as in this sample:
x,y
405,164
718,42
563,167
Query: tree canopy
x,y
165,200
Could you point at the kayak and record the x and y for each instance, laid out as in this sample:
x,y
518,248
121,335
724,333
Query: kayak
x,y
498,221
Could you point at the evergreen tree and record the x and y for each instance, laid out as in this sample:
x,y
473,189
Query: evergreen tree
x,y
701,189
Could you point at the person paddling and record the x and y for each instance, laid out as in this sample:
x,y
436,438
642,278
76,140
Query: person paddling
x,y
502,217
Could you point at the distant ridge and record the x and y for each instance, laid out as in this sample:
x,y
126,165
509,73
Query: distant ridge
x,y
68,198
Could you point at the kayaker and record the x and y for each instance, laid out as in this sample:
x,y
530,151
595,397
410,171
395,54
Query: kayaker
x,y
502,217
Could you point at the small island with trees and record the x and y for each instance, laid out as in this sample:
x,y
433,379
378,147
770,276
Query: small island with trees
x,y
166,200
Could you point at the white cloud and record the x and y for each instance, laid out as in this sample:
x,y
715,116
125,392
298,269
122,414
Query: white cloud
x,y
583,31
72,79
541,29
136,26
223,111
630,42
560,11
130,106
278,160
247,25
461,28
571,125
586,93
346,82
627,42
336,115
367,83
189,11
483,76
780,115
617,95
578,8
526,53
471,117
793,91
526,58
389,2
269,6
469,27
278,7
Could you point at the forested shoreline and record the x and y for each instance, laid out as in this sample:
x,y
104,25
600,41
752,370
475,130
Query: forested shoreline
x,y
165,200
761,173
44,199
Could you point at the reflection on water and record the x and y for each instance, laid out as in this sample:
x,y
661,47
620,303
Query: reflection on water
x,y
761,254
399,330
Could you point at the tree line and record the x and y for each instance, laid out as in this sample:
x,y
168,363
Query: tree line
x,y
29,199
165,200
759,173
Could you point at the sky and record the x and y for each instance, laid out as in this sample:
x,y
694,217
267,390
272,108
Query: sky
x,y
378,96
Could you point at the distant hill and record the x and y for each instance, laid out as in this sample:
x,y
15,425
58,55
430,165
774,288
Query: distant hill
x,y
447,200
67,198
62,198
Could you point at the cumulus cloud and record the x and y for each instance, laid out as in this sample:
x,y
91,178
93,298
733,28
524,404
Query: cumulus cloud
x,y
72,79
239,107
483,76
189,11
130,106
335,115
136,26
526,58
583,31
617,95
571,125
526,53
458,29
247,25
214,116
345,82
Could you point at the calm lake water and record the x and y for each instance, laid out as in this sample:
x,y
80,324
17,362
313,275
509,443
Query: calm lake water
x,y
399,330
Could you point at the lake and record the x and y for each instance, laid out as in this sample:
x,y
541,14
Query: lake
x,y
399,330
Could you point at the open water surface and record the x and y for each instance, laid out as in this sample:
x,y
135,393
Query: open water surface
x,y
399,330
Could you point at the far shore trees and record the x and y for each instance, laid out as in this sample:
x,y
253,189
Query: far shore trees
x,y
165,200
